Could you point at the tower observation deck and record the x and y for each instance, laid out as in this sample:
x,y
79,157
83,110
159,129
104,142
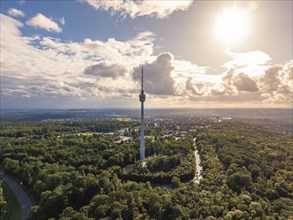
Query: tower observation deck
x,y
142,99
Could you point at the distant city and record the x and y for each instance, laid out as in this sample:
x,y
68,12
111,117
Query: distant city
x,y
63,114
266,117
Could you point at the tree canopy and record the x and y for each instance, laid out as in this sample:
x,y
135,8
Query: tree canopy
x,y
76,170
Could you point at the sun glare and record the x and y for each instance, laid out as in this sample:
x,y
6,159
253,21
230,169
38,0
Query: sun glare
x,y
232,26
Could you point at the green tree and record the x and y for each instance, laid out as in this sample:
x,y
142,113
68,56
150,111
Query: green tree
x,y
3,204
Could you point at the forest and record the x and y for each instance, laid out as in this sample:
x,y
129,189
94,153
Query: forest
x,y
76,170
3,206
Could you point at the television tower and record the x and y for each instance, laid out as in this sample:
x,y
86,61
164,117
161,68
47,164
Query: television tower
x,y
142,99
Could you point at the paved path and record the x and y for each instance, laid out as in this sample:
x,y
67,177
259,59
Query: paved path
x,y
23,199
198,169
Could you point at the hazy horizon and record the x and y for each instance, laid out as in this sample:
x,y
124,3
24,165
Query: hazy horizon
x,y
151,108
72,114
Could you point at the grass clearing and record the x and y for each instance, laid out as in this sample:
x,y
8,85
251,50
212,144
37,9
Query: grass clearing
x,y
123,119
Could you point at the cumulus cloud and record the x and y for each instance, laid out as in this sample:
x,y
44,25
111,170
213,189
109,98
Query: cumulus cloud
x,y
46,66
189,86
133,51
106,70
288,69
195,88
41,66
251,58
157,75
15,12
273,85
244,75
158,9
225,87
270,81
276,83
232,84
252,63
245,83
41,21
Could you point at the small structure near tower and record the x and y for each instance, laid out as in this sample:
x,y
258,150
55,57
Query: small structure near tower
x,y
142,99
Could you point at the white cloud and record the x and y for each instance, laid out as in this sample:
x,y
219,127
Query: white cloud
x,y
273,85
251,58
157,77
46,66
132,52
233,84
36,66
62,20
276,83
30,66
288,71
15,12
245,83
194,88
158,9
249,76
253,63
41,21
270,81
106,70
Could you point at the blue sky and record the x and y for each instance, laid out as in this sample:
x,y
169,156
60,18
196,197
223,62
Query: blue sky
x,y
88,53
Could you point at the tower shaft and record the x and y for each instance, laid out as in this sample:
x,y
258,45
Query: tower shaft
x,y
142,150
142,99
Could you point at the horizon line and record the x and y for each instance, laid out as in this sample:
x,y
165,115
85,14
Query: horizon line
x,y
137,108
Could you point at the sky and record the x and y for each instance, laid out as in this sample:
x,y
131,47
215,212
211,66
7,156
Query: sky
x,y
195,54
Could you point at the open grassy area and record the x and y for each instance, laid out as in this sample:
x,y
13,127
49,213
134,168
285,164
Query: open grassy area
x,y
123,119
13,206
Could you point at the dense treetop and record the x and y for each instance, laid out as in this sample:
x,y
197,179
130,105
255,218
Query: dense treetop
x,y
76,170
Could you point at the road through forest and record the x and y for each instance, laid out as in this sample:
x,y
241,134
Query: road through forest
x,y
23,199
198,169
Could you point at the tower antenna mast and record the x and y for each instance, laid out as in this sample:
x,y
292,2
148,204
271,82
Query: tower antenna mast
x,y
142,78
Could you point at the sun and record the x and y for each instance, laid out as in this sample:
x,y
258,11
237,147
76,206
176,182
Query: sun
x,y
232,26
